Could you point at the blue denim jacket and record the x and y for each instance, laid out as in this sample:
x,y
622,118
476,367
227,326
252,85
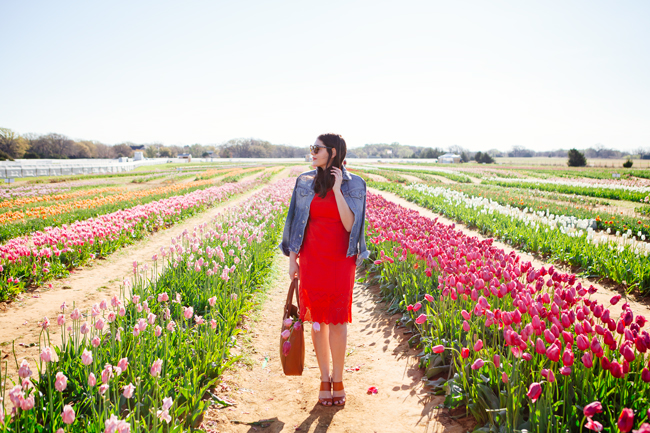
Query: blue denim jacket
x,y
353,189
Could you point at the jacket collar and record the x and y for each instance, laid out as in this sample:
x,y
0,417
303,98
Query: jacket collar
x,y
346,174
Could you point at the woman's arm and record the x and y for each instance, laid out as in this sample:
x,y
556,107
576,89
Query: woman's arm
x,y
294,268
347,217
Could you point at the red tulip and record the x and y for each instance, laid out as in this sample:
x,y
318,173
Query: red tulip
x,y
604,363
527,356
615,299
464,352
645,375
567,357
438,349
565,371
553,353
421,319
582,342
626,419
587,360
534,391
497,360
616,369
504,377
540,347
568,338
592,409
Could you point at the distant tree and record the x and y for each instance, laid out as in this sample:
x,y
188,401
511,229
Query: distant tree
x,y
120,150
5,157
104,151
464,157
12,144
487,159
79,150
55,146
478,156
520,152
576,158
628,163
165,152
150,151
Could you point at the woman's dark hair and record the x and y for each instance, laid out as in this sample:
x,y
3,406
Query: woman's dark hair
x,y
324,180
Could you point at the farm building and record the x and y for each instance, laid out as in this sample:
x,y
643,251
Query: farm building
x,y
449,158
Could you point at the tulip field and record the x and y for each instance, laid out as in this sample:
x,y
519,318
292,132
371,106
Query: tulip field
x,y
146,360
40,255
518,346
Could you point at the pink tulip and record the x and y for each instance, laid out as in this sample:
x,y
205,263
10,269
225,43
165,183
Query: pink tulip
x,y
438,348
213,324
496,359
478,346
128,391
477,364
156,368
86,357
68,414
466,326
565,371
417,306
587,360
594,425
288,322
428,297
285,334
61,382
123,363
315,326
158,331
421,319
163,297
24,370
46,323
534,391
212,301
504,377
151,318
85,328
286,347
92,381
46,354
188,312
75,315
95,342
103,388
60,320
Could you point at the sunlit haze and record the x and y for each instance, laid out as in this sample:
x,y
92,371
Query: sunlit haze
x,y
481,75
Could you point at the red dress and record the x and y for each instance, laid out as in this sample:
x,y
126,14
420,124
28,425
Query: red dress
x,y
326,274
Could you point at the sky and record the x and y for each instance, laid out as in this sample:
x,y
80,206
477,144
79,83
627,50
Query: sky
x,y
540,74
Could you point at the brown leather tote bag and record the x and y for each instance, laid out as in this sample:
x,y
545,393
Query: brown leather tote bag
x,y
294,362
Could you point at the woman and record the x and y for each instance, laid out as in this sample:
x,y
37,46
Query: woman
x,y
324,239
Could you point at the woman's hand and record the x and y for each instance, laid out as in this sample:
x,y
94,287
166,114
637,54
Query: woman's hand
x,y
294,269
338,178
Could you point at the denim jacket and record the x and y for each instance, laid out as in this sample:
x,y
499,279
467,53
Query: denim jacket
x,y
353,189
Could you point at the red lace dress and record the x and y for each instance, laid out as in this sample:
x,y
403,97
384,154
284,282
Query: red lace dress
x,y
326,274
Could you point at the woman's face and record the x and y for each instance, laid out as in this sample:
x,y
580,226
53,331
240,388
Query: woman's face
x,y
320,158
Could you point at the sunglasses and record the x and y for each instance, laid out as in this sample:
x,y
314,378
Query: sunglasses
x,y
315,149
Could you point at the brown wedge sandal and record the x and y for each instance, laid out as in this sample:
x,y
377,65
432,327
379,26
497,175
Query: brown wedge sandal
x,y
338,394
325,394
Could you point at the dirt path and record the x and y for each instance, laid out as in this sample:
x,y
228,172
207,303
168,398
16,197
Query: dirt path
x,y
604,294
20,322
278,403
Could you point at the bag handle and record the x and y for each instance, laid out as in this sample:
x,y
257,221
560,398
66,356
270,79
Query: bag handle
x,y
293,289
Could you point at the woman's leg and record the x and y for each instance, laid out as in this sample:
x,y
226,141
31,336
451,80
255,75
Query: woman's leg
x,y
338,340
322,349
338,344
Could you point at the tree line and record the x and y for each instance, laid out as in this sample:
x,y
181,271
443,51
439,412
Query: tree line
x,y
58,146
